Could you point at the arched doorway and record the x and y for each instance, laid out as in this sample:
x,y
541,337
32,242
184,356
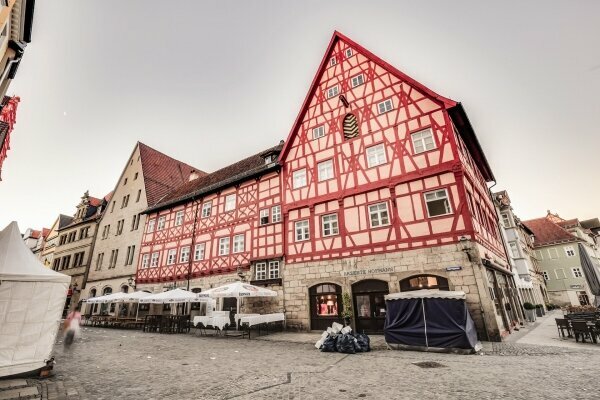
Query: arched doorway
x,y
325,305
418,282
369,305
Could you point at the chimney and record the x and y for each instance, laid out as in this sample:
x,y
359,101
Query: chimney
x,y
193,175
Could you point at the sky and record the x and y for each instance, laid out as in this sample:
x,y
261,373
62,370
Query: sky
x,y
211,82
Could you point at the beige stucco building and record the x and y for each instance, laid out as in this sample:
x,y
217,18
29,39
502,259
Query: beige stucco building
x,y
46,255
72,254
148,176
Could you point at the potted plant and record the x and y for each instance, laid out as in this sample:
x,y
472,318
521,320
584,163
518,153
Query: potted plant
x,y
529,311
346,308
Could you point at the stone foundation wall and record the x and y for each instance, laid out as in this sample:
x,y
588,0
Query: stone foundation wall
x,y
391,267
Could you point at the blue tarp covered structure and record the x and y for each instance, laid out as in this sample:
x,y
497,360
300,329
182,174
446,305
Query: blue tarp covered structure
x,y
430,320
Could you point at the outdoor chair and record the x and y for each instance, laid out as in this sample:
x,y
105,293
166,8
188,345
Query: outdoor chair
x,y
561,325
581,328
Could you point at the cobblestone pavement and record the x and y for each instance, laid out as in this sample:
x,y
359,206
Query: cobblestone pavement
x,y
118,364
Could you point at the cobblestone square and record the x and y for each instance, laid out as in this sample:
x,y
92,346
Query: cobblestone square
x,y
119,364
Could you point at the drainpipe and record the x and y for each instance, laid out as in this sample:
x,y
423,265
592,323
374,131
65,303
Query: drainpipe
x,y
189,271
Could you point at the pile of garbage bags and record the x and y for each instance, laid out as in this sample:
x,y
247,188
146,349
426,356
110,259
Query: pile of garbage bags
x,y
341,339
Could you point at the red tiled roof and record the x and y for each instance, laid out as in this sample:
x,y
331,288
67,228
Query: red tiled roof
x,y
109,196
95,201
162,174
568,223
45,232
547,232
224,177
35,234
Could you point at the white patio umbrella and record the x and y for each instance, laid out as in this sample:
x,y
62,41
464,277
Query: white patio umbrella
x,y
107,298
170,296
238,290
134,297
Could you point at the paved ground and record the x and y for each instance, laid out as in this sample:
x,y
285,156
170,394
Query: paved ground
x,y
117,364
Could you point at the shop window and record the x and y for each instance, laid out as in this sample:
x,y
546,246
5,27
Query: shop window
x,y
326,300
419,282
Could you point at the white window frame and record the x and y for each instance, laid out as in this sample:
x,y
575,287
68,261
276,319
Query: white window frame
x,y
514,248
302,230
260,271
569,251
239,243
145,261
199,251
357,80
438,197
420,141
273,266
562,270
224,246
171,256
179,218
329,225
376,155
154,259
264,213
150,229
160,225
332,61
349,53
382,214
230,202
184,254
325,170
333,91
385,106
577,272
299,178
318,132
206,209
276,213
555,253
505,220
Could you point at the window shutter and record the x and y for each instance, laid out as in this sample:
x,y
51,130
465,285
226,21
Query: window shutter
x,y
350,127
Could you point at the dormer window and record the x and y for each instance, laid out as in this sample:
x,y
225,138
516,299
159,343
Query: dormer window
x,y
271,158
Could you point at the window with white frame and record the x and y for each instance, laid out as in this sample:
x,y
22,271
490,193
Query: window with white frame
x,y
273,269
223,246
539,254
318,132
376,155
299,178
275,213
151,226
171,255
505,220
423,141
546,276
514,250
349,53
560,273
437,203
569,251
238,243
302,232
325,170
206,209
552,253
332,61
154,260
385,106
330,224
145,261
577,272
179,218
161,223
333,91
199,251
184,255
358,80
230,202
378,215
264,216
260,271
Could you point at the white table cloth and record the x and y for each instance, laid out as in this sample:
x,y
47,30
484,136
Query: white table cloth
x,y
217,321
262,319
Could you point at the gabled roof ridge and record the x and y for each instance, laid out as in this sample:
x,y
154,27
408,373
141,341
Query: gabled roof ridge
x,y
544,239
447,103
168,156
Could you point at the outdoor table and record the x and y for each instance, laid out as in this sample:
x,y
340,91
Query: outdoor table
x,y
258,320
217,321
237,317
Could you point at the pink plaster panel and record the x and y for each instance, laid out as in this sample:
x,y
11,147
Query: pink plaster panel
x,y
442,225
418,229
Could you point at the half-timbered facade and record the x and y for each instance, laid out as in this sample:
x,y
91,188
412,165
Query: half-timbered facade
x,y
384,183
215,228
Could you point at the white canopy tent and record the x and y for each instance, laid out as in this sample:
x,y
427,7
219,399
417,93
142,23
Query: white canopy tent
x,y
107,298
32,298
238,290
171,296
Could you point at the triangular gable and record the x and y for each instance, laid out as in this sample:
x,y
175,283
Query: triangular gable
x,y
442,101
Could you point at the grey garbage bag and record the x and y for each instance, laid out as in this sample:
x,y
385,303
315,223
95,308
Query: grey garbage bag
x,y
363,341
329,344
345,344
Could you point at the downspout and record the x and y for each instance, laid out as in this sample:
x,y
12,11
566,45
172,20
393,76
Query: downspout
x,y
189,271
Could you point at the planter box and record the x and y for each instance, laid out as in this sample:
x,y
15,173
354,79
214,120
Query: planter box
x,y
530,315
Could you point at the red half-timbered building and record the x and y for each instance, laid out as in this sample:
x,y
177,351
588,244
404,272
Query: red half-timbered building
x,y
8,117
380,187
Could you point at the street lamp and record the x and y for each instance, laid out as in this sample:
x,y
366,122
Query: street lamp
x,y
465,246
